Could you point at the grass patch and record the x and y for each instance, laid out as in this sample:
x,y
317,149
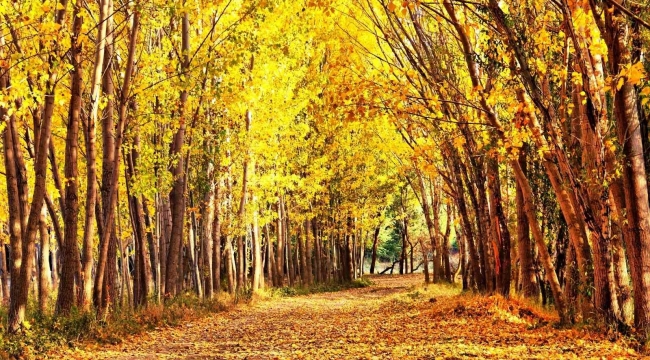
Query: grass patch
x,y
319,288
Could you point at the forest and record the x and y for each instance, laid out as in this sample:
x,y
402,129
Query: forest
x,y
162,155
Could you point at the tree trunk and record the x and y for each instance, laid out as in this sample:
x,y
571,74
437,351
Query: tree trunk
x,y
634,171
402,258
375,240
207,240
4,274
346,256
192,251
71,267
318,259
270,262
258,267
425,261
449,276
91,176
287,236
216,238
308,254
302,235
15,221
502,234
104,289
25,243
527,278
426,208
279,260
177,196
468,231
44,274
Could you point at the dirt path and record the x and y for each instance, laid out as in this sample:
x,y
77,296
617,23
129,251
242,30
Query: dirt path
x,y
392,319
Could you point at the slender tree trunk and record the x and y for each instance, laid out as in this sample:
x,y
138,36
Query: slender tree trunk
x,y
449,276
309,271
545,258
208,240
467,226
4,274
528,280
25,242
216,238
302,235
318,259
426,208
270,262
346,255
375,240
475,188
15,223
192,251
258,267
177,196
402,257
411,262
279,260
229,258
69,276
104,289
45,274
287,236
425,261
501,232
91,180
634,172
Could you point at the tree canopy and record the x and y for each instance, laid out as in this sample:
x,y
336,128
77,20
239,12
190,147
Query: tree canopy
x,y
157,147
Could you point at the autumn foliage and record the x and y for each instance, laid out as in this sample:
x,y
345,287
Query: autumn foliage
x,y
155,149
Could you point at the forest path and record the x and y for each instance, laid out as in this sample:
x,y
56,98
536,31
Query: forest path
x,y
393,319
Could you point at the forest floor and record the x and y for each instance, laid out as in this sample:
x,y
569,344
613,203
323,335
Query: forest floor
x,y
395,318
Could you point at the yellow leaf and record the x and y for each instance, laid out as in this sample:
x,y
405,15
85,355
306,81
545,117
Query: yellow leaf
x,y
620,83
645,91
636,73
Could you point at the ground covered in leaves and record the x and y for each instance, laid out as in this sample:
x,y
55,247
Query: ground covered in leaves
x,y
396,318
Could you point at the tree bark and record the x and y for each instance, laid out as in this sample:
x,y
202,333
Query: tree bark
x,y
375,240
71,267
502,234
174,274
45,273
634,171
449,276
308,254
91,153
279,260
104,287
527,278
258,267
426,209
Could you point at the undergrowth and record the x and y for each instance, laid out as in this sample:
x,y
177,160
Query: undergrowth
x,y
319,288
42,332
